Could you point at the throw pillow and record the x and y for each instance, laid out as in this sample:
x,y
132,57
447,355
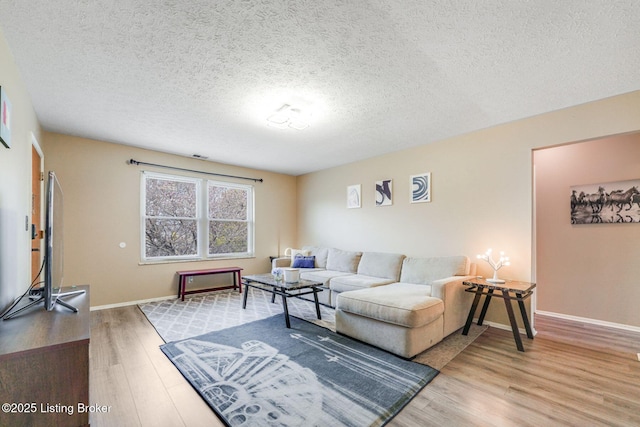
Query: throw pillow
x,y
301,261
293,252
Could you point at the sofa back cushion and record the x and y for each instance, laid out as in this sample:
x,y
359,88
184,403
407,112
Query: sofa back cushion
x,y
320,254
423,271
345,261
379,264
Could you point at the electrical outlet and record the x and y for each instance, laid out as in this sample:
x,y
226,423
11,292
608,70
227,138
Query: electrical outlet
x,y
190,280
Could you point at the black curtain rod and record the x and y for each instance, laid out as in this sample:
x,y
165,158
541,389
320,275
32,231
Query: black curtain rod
x,y
135,162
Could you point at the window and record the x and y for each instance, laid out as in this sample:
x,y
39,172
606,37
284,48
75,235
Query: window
x,y
189,218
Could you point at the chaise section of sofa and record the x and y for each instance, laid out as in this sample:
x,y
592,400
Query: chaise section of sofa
x,y
409,316
393,317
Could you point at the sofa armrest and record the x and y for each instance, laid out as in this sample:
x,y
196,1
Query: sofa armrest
x,y
457,302
472,269
282,262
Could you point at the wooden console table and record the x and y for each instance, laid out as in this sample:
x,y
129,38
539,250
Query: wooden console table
x,y
44,362
184,275
510,290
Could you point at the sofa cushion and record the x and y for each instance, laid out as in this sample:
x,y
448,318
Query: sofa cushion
x,y
304,262
322,276
356,281
295,252
425,270
379,264
345,261
319,253
392,304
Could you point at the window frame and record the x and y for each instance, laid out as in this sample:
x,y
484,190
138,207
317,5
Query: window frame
x,y
250,220
202,219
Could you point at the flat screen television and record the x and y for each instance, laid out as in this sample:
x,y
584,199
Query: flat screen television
x,y
54,248
54,245
53,268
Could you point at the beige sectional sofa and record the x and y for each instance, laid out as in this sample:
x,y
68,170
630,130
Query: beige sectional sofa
x,y
401,304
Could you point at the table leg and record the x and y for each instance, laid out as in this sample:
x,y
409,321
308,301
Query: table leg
x,y
244,297
472,311
286,310
315,298
525,319
512,320
183,284
273,296
239,282
485,306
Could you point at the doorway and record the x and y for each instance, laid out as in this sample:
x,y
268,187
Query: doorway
x,y
37,182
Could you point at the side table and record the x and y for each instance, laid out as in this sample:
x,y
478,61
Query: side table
x,y
510,290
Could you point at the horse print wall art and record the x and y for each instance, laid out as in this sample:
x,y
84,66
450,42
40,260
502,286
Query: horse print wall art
x,y
606,203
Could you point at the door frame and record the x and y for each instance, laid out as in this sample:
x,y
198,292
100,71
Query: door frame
x,y
38,149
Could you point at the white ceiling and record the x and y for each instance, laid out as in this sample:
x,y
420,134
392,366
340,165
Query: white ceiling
x,y
201,76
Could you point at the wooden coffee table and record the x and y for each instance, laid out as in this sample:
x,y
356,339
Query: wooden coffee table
x,y
267,283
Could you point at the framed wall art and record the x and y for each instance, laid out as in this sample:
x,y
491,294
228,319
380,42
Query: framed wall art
x,y
384,191
420,187
354,196
610,202
5,118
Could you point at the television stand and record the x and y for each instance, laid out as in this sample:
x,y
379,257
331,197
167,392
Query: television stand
x,y
40,299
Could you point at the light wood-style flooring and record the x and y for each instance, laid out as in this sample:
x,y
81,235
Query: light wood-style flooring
x,y
570,374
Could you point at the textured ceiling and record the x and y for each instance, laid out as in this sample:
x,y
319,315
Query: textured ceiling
x,y
201,76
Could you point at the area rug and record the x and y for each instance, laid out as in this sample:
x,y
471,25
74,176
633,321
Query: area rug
x,y
444,352
198,314
263,374
176,320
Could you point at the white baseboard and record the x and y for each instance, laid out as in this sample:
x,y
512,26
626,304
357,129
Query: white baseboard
x,y
128,303
589,321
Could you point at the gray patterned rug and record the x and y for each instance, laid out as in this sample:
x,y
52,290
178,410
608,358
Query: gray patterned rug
x,y
263,374
175,319
198,314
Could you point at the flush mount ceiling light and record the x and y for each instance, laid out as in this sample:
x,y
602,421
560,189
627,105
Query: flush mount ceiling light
x,y
288,117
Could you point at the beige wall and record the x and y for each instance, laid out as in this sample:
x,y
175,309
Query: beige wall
x,y
592,270
482,192
102,209
15,183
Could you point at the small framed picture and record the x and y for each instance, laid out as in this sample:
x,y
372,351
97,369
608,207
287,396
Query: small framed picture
x,y
5,118
384,190
354,193
420,187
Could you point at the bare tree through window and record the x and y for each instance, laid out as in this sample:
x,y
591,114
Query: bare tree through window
x,y
175,219
228,221
171,225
